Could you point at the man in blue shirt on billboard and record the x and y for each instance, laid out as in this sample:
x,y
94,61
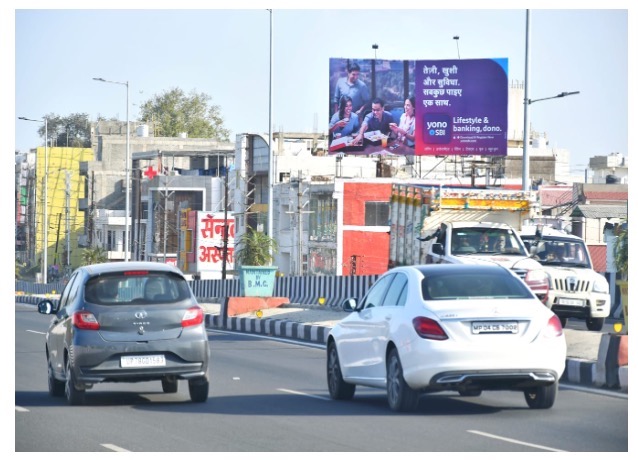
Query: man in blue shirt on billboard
x,y
378,119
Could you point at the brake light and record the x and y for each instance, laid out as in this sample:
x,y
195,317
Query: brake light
x,y
193,316
538,281
553,328
428,329
85,320
136,273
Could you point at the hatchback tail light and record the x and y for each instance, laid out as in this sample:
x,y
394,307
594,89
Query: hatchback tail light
x,y
85,320
553,328
193,316
429,329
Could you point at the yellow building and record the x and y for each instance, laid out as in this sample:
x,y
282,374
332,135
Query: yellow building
x,y
65,189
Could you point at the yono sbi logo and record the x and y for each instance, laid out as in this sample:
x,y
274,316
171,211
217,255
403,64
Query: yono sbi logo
x,y
437,128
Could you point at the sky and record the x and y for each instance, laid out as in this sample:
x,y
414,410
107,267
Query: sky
x,y
226,54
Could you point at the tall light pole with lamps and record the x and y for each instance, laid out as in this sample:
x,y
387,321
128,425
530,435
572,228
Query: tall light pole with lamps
x,y
45,248
527,102
127,168
271,153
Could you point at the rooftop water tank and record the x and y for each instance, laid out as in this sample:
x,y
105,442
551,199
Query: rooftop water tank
x,y
142,131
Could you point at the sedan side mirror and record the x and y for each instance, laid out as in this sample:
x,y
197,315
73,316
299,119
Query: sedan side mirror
x,y
349,305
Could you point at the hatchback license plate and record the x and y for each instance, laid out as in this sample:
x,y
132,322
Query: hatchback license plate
x,y
141,361
571,302
494,327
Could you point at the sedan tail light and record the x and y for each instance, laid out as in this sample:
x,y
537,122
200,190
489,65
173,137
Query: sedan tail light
x,y
429,329
85,320
553,328
193,316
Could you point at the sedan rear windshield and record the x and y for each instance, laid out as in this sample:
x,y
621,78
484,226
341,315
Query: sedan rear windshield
x,y
474,285
136,288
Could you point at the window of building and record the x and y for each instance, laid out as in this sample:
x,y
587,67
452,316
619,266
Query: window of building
x,y
323,218
377,213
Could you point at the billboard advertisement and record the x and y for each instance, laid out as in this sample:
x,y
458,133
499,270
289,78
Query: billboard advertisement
x,y
423,107
209,242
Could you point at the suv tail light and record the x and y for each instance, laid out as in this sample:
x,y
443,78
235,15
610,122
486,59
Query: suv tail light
x,y
193,316
538,281
428,329
85,320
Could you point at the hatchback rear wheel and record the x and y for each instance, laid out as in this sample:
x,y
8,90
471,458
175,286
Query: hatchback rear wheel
x,y
74,395
400,396
169,385
198,389
56,387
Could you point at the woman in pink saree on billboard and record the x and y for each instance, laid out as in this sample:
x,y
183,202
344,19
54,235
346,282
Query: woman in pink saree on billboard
x,y
404,131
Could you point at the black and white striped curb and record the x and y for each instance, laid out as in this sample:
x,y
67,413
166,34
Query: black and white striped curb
x,y
603,373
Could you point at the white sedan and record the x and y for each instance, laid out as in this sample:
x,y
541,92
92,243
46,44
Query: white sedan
x,y
432,328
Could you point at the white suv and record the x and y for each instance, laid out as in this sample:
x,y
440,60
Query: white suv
x,y
575,289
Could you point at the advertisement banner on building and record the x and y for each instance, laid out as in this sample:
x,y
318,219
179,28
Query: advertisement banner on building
x,y
209,243
423,107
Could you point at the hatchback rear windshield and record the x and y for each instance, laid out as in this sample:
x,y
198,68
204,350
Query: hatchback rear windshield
x,y
136,288
474,285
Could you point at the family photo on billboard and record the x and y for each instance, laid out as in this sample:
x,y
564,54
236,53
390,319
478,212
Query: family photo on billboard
x,y
428,107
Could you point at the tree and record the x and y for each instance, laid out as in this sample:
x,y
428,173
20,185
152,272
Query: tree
x,y
71,131
255,248
174,112
621,250
93,255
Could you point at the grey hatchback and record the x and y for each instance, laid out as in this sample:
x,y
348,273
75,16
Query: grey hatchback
x,y
126,322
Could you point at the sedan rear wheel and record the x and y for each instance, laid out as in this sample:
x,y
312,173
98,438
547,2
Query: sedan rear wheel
x,y
169,385
541,397
56,387
400,396
198,389
74,395
338,388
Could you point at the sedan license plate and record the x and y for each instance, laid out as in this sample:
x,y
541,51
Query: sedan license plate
x,y
571,302
494,327
142,361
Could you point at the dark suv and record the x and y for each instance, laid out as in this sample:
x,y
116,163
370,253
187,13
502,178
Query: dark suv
x,y
126,322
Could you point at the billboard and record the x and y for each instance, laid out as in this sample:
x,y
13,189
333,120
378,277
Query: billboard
x,y
209,241
424,107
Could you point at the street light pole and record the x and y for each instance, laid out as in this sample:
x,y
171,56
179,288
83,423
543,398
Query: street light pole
x,y
127,168
45,247
271,154
525,171
527,102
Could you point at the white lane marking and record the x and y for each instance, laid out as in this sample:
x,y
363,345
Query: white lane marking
x,y
517,442
304,394
36,332
21,409
110,446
